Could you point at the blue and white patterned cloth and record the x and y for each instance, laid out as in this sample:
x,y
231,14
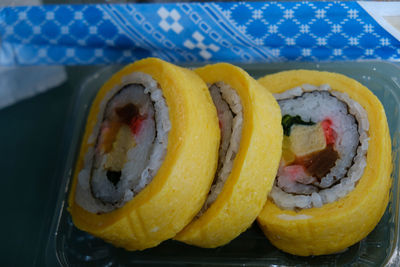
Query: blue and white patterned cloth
x,y
194,32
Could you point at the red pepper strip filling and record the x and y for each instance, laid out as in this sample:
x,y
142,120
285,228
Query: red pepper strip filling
x,y
330,134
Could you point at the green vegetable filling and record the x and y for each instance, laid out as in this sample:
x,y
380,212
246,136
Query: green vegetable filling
x,y
288,121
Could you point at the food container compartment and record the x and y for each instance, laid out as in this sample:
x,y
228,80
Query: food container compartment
x,y
66,245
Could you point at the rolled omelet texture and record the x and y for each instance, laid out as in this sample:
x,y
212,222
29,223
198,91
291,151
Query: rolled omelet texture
x,y
249,153
148,155
310,211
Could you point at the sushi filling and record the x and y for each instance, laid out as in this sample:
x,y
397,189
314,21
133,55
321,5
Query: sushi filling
x,y
128,145
324,147
230,115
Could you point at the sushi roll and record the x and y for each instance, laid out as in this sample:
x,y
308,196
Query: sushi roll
x,y
332,186
249,119
148,155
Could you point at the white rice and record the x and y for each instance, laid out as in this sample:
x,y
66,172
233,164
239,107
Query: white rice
x,y
143,160
230,114
351,144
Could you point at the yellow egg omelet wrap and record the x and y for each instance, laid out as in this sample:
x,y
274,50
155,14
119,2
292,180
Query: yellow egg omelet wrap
x,y
247,186
337,225
177,192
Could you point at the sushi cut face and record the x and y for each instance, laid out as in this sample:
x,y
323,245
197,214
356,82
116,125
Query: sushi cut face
x,y
179,149
324,147
129,143
230,116
362,193
243,178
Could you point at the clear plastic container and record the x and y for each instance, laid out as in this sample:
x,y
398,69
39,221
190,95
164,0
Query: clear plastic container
x,y
66,245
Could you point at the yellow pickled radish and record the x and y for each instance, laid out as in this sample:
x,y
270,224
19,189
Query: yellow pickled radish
x,y
306,139
123,142
108,136
287,154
